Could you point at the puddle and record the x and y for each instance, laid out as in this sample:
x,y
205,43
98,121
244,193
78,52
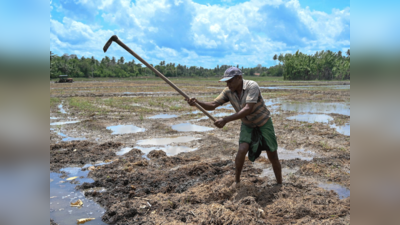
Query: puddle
x,y
61,134
309,87
74,139
164,144
312,118
317,107
125,129
270,102
199,112
190,127
60,107
166,141
269,172
62,193
98,189
214,115
221,114
227,106
63,123
163,116
96,164
70,138
301,154
129,93
169,150
345,130
123,151
339,189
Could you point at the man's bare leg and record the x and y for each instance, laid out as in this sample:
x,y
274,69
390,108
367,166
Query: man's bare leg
x,y
239,161
276,165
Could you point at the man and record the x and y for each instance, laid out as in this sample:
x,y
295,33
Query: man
x,y
257,131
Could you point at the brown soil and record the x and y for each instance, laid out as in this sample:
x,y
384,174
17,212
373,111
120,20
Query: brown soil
x,y
80,153
178,190
195,187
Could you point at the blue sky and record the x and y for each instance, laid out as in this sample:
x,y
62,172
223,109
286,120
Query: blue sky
x,y
200,32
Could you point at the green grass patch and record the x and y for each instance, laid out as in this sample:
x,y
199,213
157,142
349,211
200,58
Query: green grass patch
x,y
54,102
85,106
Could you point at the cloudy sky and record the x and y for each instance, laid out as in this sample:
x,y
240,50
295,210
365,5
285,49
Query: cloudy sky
x,y
200,32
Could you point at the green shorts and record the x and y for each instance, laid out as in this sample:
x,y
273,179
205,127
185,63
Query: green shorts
x,y
267,134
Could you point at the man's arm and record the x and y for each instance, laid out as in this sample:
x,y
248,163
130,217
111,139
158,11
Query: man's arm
x,y
247,109
205,105
239,115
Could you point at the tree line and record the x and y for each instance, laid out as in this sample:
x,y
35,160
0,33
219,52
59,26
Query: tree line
x,y
323,65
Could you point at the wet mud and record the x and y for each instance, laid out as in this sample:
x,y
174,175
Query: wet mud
x,y
164,175
179,190
80,153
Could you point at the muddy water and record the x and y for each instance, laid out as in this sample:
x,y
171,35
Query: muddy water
x,y
345,129
311,118
199,112
60,107
345,87
190,127
66,138
74,139
168,149
339,189
62,193
163,116
221,114
285,154
124,151
166,141
164,144
125,129
286,172
63,123
214,115
317,107
227,106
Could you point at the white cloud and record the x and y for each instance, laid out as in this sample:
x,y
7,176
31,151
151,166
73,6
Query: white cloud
x,y
194,34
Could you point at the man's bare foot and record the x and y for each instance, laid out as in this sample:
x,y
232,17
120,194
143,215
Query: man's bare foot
x,y
235,186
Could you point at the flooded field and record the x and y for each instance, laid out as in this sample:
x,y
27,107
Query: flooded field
x,y
134,152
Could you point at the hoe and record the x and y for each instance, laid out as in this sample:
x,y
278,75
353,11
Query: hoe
x,y
115,39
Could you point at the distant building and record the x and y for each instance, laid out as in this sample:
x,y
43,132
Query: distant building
x,y
256,74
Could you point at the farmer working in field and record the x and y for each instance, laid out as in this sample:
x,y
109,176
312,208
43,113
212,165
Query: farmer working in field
x,y
257,131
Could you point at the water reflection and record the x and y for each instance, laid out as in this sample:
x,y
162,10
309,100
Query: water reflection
x,y
339,189
163,116
169,150
62,193
60,107
310,87
345,129
166,141
63,123
125,129
312,118
190,127
317,107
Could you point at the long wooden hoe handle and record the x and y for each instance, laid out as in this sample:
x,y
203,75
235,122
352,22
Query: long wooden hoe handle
x,y
116,39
